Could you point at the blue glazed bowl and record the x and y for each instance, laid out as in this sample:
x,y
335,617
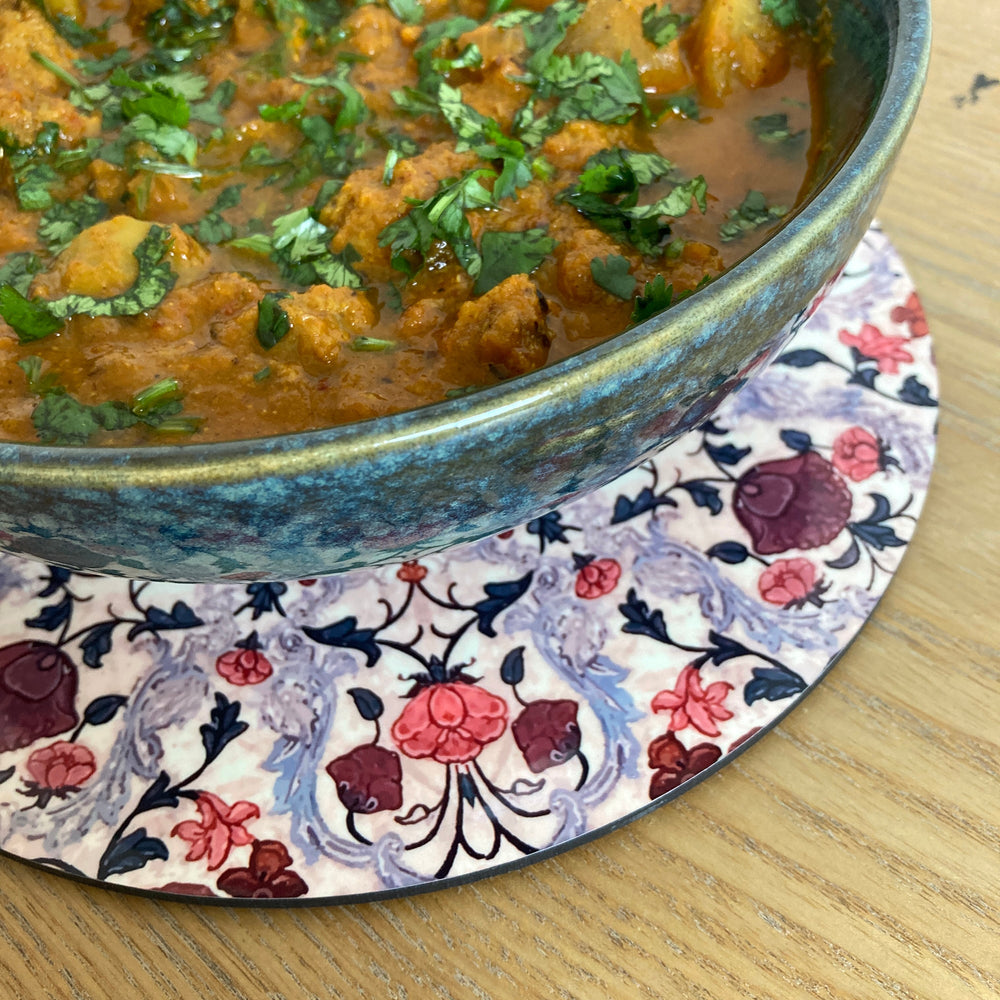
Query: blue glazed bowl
x,y
310,504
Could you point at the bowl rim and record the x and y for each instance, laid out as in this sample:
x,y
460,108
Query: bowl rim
x,y
305,452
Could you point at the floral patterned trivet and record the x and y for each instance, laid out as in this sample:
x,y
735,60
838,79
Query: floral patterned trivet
x,y
397,729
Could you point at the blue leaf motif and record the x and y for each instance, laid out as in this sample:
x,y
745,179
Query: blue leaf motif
x,y
159,795
711,427
772,684
704,495
180,616
132,853
915,392
345,634
512,668
878,536
265,597
499,597
797,440
727,454
549,528
96,643
224,727
724,648
865,377
729,552
847,559
641,621
803,358
104,709
467,787
368,704
882,509
57,579
52,617
646,501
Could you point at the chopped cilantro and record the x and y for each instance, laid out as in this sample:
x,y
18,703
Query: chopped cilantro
x,y
661,25
408,11
684,104
19,270
613,275
774,129
169,140
752,213
272,321
300,246
506,254
212,227
30,319
440,218
784,13
66,220
656,296
367,344
608,194
180,25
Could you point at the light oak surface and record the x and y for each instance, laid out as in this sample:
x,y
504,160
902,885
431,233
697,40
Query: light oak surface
x,y
854,852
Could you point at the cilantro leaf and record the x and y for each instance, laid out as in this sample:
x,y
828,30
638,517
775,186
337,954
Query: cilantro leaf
x,y
774,129
180,25
655,297
66,220
19,270
169,140
784,13
272,321
408,11
661,25
752,213
506,254
613,275
61,419
30,319
440,218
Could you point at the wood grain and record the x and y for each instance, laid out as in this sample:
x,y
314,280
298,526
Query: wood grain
x,y
853,853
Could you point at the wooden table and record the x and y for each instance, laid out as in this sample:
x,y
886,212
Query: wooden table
x,y
854,852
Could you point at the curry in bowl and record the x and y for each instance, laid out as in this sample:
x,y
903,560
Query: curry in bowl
x,y
231,219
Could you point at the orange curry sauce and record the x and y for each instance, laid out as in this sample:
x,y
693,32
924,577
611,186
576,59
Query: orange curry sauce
x,y
346,210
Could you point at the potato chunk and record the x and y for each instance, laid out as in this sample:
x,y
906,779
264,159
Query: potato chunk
x,y
734,42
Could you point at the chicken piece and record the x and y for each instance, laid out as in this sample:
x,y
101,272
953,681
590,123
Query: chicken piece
x,y
101,262
504,329
30,94
733,42
323,321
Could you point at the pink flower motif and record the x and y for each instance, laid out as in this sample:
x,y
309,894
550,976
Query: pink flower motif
x,y
61,765
787,581
857,454
691,705
596,577
872,343
244,666
411,572
450,721
912,314
221,827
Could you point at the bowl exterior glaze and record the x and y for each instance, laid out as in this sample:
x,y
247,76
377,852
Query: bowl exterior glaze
x,y
329,501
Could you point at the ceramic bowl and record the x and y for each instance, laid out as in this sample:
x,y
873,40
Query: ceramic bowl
x,y
310,504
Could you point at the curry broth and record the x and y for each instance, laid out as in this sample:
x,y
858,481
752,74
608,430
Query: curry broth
x,y
250,340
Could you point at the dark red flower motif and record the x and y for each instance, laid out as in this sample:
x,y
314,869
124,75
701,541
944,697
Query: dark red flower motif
x,y
369,779
311,582
509,533
792,503
37,693
788,582
673,763
186,889
857,453
912,314
244,665
450,721
872,343
61,765
596,577
411,572
266,877
547,733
